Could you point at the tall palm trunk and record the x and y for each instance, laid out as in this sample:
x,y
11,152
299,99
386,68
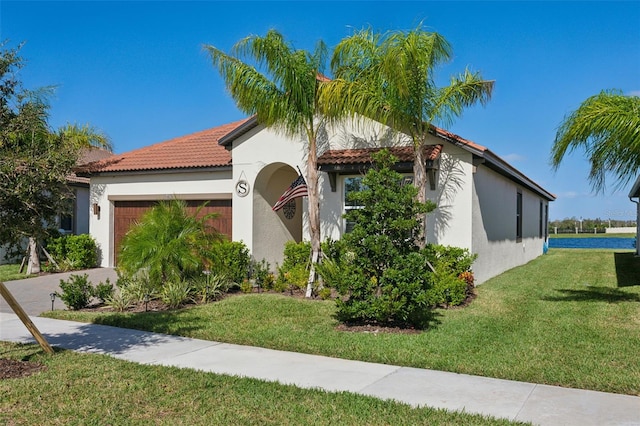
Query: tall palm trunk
x,y
420,182
314,211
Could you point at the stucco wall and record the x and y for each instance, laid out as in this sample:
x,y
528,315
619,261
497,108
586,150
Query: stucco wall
x,y
268,161
450,223
156,186
81,213
494,224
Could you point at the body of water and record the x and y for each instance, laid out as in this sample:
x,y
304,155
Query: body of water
x,y
593,243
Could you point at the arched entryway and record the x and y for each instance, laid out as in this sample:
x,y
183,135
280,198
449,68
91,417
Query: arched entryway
x,y
271,230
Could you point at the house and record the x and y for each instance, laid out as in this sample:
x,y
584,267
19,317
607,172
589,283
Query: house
x,y
77,220
242,168
635,193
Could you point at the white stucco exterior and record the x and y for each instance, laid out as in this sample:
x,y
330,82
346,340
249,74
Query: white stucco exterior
x,y
474,190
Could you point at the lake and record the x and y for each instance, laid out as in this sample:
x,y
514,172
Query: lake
x,y
593,243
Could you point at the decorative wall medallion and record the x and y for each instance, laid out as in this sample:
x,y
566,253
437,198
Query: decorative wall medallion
x,y
242,188
289,209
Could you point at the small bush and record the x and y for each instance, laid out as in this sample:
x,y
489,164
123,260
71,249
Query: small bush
x,y
119,301
137,287
103,291
448,290
73,252
455,259
175,293
76,292
211,287
231,259
246,286
260,272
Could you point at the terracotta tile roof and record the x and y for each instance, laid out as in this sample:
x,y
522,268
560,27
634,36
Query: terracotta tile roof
x,y
196,150
459,139
363,155
88,155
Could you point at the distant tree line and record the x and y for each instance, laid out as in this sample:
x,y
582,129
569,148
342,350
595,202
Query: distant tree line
x,y
570,224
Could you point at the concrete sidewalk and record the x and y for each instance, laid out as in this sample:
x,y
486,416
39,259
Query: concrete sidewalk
x,y
539,404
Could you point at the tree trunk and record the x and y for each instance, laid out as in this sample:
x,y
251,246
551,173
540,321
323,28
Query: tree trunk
x,y
33,266
314,212
420,181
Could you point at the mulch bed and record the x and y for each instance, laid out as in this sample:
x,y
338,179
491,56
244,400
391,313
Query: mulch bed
x,y
12,369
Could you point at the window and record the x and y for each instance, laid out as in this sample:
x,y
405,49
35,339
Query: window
x,y
546,221
519,217
354,184
66,217
351,184
540,225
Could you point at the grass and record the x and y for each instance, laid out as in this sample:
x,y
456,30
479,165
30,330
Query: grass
x,y
591,235
570,318
12,272
96,389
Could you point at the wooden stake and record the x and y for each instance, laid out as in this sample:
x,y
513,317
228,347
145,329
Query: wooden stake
x,y
4,291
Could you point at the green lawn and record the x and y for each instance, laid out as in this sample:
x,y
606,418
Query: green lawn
x,y
97,389
569,318
12,272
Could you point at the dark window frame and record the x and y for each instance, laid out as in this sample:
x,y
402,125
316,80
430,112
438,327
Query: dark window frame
x,y
519,216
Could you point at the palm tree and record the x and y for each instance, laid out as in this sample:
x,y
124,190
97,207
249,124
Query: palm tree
x,y
169,243
284,96
391,78
607,127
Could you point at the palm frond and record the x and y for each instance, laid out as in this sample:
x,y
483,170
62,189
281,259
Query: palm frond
x,y
606,127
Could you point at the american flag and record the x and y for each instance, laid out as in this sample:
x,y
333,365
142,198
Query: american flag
x,y
298,188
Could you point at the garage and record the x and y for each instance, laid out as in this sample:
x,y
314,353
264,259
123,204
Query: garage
x,y
126,213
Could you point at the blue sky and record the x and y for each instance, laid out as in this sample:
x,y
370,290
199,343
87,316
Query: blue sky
x,y
137,70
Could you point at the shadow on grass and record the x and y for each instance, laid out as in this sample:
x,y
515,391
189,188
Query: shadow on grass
x,y
594,294
627,269
166,322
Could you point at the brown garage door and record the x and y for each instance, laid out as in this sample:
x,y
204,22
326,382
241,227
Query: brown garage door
x,y
126,213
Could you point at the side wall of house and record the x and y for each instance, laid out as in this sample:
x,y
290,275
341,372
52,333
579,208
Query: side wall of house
x,y
450,223
106,190
81,211
495,224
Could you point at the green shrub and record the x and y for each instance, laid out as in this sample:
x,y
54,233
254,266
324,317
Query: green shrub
x,y
169,242
455,259
296,254
293,278
324,293
231,259
260,271
447,290
175,293
138,286
76,292
211,287
73,252
386,278
246,286
294,271
103,291
118,301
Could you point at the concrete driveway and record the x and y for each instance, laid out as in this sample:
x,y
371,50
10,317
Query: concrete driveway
x,y
33,294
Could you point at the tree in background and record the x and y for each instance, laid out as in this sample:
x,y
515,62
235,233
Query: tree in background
x,y
283,96
391,78
607,127
34,161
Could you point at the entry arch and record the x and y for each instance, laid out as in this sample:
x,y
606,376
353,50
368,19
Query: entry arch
x,y
271,230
